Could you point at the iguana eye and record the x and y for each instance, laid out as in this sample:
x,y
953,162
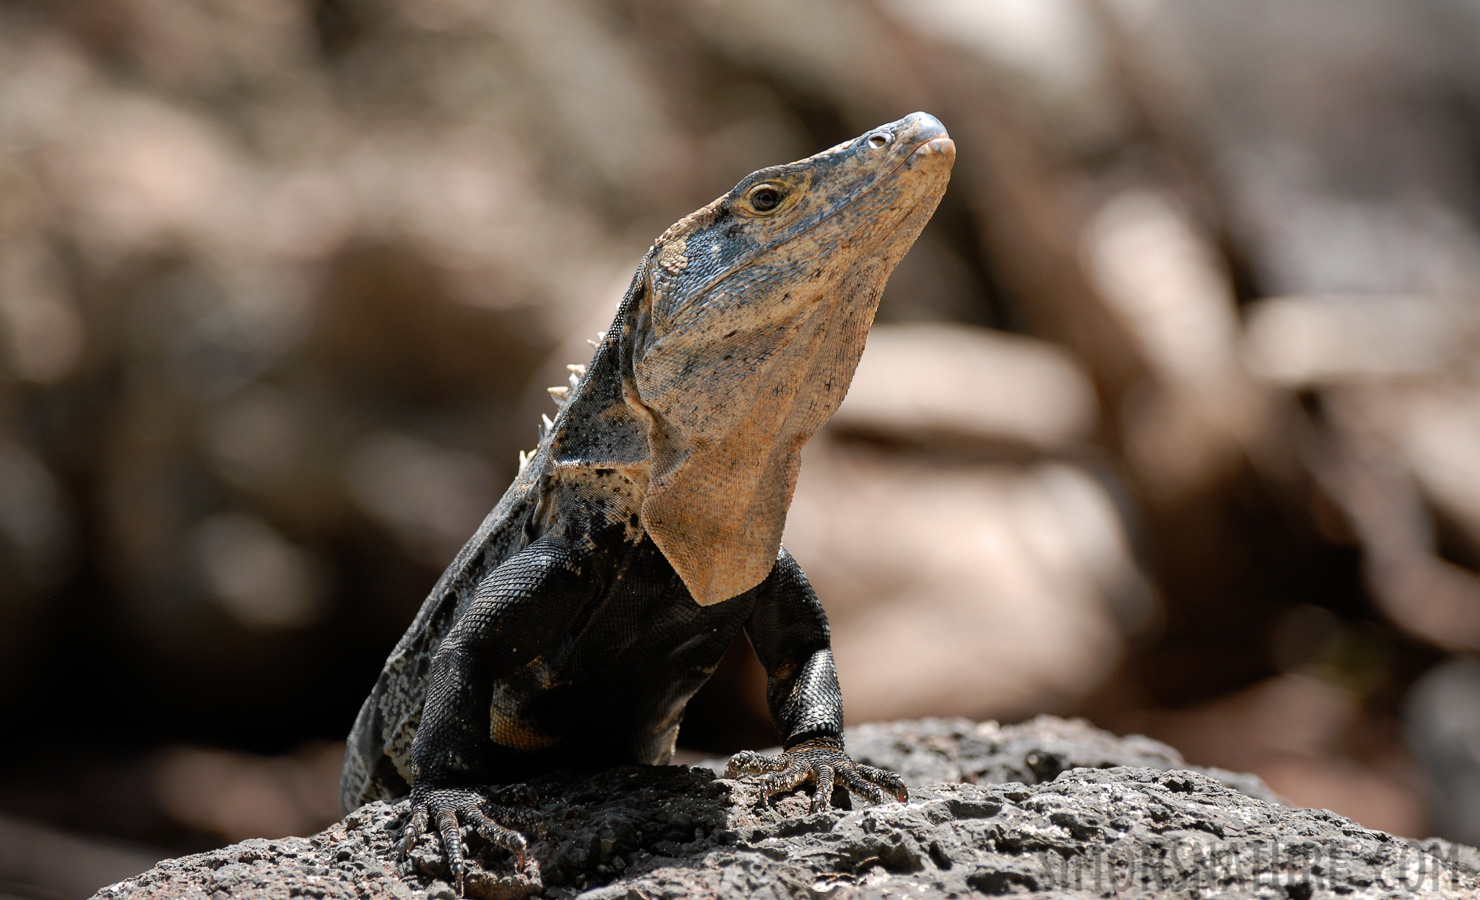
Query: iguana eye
x,y
764,197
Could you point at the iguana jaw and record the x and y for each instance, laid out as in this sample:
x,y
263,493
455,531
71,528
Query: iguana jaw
x,y
746,334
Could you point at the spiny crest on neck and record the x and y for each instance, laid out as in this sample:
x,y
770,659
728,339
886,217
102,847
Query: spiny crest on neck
x,y
561,394
670,247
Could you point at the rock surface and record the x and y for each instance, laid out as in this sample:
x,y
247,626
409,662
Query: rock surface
x,y
1046,806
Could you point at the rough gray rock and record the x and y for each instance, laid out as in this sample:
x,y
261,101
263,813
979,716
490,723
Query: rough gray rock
x,y
927,751
1085,814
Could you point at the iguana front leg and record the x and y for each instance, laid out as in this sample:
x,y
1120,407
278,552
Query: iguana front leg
x,y
790,634
517,613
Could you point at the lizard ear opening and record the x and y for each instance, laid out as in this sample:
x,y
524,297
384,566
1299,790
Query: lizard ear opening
x,y
717,511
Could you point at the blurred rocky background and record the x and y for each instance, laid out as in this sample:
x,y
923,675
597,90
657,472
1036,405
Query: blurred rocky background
x,y
1171,420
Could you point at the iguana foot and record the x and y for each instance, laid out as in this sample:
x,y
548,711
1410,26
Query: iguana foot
x,y
448,809
820,760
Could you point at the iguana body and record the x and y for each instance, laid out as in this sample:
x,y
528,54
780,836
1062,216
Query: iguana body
x,y
643,534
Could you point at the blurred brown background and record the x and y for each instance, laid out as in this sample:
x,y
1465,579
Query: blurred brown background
x,y
1171,420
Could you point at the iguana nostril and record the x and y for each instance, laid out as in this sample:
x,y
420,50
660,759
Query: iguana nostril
x,y
880,139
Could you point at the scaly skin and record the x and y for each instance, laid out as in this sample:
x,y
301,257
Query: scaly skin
x,y
643,534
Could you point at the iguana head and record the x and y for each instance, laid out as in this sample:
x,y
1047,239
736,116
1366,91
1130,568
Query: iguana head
x,y
746,332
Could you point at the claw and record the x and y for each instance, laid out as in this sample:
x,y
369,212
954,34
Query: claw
x,y
768,788
451,809
414,830
823,762
451,843
822,797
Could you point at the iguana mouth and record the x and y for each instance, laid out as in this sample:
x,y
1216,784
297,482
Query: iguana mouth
x,y
934,145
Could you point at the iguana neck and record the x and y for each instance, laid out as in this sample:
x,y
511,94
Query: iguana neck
x,y
597,445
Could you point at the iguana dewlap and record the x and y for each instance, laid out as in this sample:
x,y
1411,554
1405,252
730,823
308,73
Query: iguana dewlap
x,y
643,534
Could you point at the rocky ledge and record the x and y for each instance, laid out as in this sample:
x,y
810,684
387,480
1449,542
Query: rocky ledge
x,y
1047,806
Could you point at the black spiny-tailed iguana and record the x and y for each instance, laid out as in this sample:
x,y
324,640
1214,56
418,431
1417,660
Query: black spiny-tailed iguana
x,y
644,532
